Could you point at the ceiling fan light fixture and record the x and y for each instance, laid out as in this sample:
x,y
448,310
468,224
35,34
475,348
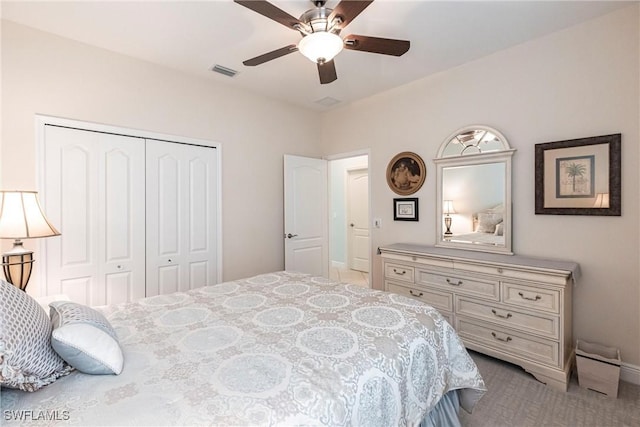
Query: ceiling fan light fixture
x,y
321,46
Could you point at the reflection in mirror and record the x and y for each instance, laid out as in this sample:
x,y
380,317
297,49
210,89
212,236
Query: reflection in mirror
x,y
473,141
477,192
474,191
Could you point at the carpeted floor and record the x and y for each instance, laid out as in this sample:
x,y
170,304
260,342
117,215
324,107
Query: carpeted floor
x,y
516,399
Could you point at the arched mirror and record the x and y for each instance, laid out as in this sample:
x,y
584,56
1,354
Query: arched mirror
x,y
473,201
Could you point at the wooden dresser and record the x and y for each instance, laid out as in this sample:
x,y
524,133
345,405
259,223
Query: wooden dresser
x,y
510,307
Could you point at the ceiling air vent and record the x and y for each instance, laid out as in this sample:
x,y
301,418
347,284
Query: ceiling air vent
x,y
328,101
224,70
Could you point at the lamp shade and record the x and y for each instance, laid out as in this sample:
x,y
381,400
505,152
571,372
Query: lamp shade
x,y
21,216
321,46
447,207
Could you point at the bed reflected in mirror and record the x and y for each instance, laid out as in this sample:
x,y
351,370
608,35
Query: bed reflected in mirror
x,y
474,199
474,191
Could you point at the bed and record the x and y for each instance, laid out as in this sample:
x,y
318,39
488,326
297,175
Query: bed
x,y
275,349
488,228
478,238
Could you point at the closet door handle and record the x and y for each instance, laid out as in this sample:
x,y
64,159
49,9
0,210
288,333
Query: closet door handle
x,y
290,236
537,297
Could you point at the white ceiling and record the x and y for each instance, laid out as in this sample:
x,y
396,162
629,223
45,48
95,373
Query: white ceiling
x,y
194,36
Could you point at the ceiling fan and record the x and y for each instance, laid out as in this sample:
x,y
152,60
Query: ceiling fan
x,y
320,28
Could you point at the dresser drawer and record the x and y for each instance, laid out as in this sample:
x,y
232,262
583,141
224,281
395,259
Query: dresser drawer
x,y
447,316
443,301
541,324
531,298
460,284
509,341
399,272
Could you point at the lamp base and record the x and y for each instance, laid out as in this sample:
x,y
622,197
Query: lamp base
x,y
17,265
447,223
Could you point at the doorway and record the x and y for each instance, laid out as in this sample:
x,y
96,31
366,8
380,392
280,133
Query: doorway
x,y
349,224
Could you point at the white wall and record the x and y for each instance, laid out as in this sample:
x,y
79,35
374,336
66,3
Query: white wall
x,y
580,82
46,74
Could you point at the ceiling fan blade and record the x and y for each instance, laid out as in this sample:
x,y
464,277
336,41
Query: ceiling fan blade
x,y
347,10
376,45
265,8
270,55
327,72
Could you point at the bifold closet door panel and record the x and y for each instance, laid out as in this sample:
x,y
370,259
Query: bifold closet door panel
x,y
181,191
94,186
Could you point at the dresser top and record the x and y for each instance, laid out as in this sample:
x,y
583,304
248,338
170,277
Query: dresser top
x,y
569,267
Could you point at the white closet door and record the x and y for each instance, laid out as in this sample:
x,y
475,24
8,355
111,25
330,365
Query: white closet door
x,y
181,217
94,186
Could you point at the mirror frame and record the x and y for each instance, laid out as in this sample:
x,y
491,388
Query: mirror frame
x,y
441,162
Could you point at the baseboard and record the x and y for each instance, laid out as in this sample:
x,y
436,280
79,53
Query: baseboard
x,y
630,373
339,265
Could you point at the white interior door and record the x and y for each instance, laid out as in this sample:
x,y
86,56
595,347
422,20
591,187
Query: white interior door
x,y
94,186
358,220
305,215
181,217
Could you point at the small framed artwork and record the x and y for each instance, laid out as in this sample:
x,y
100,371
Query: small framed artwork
x,y
406,173
405,209
579,176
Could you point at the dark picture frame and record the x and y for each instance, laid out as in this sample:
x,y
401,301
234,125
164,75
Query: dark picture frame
x,y
405,209
406,173
579,176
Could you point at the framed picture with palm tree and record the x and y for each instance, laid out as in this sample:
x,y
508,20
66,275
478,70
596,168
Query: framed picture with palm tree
x,y
579,176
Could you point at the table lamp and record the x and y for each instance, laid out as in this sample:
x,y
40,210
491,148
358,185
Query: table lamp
x,y
447,209
21,218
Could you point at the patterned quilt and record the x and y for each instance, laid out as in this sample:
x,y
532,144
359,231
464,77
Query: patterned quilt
x,y
275,349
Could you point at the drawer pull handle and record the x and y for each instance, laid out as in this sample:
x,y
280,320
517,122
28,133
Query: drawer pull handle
x,y
399,272
529,298
501,315
415,294
454,284
507,339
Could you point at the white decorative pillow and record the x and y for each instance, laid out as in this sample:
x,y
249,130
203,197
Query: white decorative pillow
x,y
499,229
84,338
27,360
487,221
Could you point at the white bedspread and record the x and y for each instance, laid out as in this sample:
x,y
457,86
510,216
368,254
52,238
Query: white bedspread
x,y
280,348
481,238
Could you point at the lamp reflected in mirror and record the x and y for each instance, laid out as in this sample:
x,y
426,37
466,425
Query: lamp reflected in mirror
x,y
21,218
602,200
447,210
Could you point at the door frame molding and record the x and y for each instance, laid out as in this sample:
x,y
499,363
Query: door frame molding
x,y
347,155
43,120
